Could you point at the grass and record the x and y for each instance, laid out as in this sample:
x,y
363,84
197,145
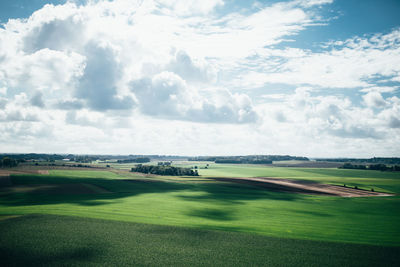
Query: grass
x,y
204,204
47,240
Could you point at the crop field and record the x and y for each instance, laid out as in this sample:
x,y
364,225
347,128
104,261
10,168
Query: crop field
x,y
62,240
114,217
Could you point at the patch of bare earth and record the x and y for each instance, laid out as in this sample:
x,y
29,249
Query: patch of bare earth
x,y
8,172
303,187
25,168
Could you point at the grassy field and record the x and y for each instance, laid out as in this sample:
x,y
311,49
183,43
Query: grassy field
x,y
66,241
203,204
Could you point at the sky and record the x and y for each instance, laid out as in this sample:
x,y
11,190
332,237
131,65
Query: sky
x,y
315,78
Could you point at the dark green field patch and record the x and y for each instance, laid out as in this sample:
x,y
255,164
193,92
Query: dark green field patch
x,y
61,240
54,189
5,180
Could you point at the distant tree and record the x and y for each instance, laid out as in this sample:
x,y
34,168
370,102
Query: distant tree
x,y
7,162
378,167
353,166
164,170
134,160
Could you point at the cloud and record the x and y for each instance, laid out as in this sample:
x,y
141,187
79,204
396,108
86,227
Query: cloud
x,y
84,118
280,116
15,115
192,70
167,95
45,70
309,114
60,33
3,91
310,3
229,108
394,122
37,100
380,89
374,100
18,109
391,114
98,84
355,62
3,102
93,56
73,104
236,36
190,7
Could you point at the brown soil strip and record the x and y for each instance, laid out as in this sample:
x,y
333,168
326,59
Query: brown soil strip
x,y
303,187
43,172
8,172
36,168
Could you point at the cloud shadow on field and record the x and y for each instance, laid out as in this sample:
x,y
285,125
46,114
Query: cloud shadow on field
x,y
48,189
312,213
227,192
83,254
212,214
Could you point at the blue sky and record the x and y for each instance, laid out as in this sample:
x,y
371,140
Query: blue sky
x,y
318,78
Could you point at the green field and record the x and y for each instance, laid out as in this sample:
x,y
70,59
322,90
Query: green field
x,y
60,240
189,207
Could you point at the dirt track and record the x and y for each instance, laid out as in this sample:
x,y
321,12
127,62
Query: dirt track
x,y
303,187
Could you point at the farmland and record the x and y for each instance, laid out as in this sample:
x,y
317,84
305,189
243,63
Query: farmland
x,y
210,221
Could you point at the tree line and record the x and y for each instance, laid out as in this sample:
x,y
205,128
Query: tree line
x,y
376,167
7,162
164,170
134,160
243,161
251,159
374,160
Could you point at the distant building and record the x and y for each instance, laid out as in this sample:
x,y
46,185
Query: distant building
x,y
164,163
